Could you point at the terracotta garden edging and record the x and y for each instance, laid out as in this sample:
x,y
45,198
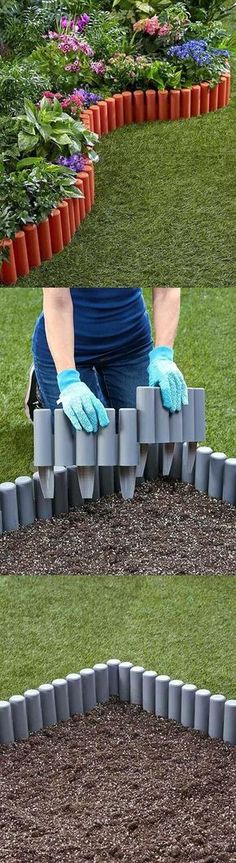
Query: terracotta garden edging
x,y
97,465
79,693
38,243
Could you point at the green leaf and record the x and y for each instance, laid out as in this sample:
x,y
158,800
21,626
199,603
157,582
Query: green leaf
x,y
29,161
27,142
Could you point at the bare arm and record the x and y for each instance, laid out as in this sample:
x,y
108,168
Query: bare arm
x,y
166,313
59,325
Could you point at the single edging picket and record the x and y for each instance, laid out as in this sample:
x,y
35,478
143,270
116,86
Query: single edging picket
x,y
79,693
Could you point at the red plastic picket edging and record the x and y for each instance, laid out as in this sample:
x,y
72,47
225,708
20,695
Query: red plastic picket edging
x,y
37,243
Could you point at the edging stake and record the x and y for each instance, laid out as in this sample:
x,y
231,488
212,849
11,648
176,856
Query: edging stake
x,y
101,682
88,688
8,505
43,506
128,451
216,474
162,695
202,465
229,483
149,678
25,500
216,716
229,732
60,502
188,705
64,439
48,705
19,717
202,705
74,493
33,710
86,457
145,405
75,693
113,674
6,724
136,684
61,698
174,700
124,680
43,450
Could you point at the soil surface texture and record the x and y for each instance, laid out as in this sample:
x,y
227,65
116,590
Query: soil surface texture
x,y
168,528
118,785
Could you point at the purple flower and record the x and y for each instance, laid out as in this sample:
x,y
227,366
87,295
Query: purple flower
x,y
82,22
63,21
87,97
75,163
98,67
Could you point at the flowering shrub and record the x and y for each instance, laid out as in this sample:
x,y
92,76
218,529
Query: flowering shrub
x,y
126,73
154,34
75,102
198,61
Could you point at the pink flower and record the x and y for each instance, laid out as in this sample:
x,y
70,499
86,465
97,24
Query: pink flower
x,y
73,67
98,67
165,29
152,25
85,48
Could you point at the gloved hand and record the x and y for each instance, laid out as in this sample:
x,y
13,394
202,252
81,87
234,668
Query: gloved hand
x,y
164,372
81,406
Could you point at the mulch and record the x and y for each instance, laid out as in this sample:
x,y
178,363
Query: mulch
x,y
168,528
118,785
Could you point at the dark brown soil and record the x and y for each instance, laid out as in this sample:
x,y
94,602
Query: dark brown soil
x,y
168,528
118,785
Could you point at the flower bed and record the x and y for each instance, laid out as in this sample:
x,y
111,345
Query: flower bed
x,y
39,242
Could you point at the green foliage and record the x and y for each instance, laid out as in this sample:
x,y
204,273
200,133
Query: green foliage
x,y
107,34
48,131
163,75
134,9
30,192
23,36
206,10
19,80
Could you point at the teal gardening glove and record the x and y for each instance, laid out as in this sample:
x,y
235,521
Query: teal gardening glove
x,y
81,406
164,372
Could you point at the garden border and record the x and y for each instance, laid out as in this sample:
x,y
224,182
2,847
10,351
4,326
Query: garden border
x,y
152,443
79,693
38,243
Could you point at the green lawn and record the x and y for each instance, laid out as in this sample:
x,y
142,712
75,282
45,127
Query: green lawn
x,y
181,626
204,351
164,210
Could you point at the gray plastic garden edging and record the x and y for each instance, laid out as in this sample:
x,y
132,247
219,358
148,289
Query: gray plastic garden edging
x,y
73,467
81,692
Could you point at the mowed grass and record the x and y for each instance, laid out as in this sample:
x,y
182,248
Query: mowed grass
x,y
205,353
181,626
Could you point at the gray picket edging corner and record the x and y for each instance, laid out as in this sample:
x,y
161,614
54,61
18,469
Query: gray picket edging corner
x,y
79,693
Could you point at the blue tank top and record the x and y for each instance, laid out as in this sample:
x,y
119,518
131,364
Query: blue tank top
x,y
108,321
